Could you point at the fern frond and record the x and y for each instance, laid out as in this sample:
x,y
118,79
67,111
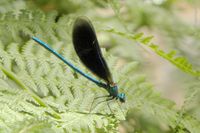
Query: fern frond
x,y
41,95
31,23
70,97
37,89
180,62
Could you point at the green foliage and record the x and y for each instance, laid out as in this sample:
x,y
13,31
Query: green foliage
x,y
35,86
41,24
38,93
181,62
11,5
61,98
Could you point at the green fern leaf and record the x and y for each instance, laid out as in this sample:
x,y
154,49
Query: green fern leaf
x,y
181,62
38,90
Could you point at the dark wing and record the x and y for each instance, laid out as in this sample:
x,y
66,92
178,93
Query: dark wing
x,y
87,48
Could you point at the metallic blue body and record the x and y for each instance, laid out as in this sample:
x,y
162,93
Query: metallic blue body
x,y
112,90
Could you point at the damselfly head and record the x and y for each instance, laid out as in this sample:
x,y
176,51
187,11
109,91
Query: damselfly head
x,y
122,97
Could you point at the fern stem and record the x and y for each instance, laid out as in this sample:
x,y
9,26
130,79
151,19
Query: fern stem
x,y
25,88
184,65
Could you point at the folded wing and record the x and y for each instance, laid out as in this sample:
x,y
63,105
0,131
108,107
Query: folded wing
x,y
87,48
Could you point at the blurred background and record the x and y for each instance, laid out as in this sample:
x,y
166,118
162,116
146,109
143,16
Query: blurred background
x,y
175,25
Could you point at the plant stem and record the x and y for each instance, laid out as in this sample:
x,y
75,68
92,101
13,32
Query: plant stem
x,y
12,76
